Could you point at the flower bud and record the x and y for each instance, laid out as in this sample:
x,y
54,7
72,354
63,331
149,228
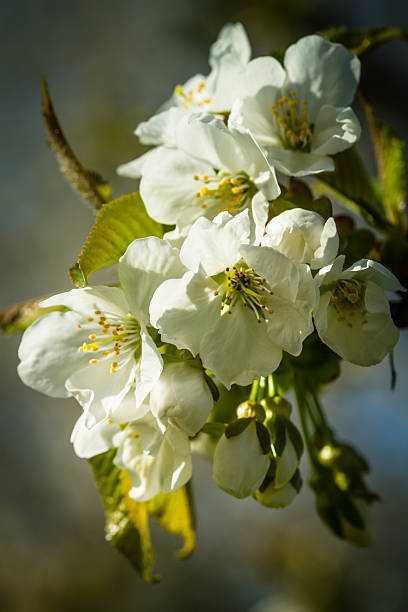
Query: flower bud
x,y
250,409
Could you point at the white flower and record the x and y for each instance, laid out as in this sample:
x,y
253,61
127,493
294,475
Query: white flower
x,y
154,449
353,316
300,112
100,351
303,236
208,169
238,305
157,459
240,464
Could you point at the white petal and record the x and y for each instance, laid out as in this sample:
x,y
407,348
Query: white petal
x,y
274,497
89,299
322,72
182,395
254,114
287,465
145,265
259,211
232,45
213,246
161,129
168,187
134,168
369,270
185,309
298,163
237,348
90,442
239,465
281,273
263,72
336,129
148,369
49,352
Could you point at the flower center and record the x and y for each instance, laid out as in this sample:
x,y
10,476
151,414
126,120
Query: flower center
x,y
232,191
116,337
242,285
192,97
292,123
348,299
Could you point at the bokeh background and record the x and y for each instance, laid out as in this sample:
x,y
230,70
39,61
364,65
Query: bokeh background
x,y
109,66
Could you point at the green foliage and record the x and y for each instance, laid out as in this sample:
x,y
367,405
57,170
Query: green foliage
x,y
89,184
237,427
127,521
20,316
263,437
118,223
358,245
390,156
350,183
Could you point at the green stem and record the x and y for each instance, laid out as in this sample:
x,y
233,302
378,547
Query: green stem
x,y
271,386
254,391
302,408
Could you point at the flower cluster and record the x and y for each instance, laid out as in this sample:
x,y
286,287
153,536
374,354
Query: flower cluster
x,y
234,287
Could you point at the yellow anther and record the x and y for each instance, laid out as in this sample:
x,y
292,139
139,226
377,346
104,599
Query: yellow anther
x,y
136,436
200,87
92,337
207,101
98,312
90,319
79,326
92,361
293,93
203,191
205,177
110,421
106,353
203,205
95,348
271,310
178,90
236,190
196,177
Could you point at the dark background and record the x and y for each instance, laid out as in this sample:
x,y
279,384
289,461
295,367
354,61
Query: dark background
x,y
109,66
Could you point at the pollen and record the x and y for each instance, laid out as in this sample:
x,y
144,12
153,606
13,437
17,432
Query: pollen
x,y
292,122
136,436
92,337
110,421
90,319
93,361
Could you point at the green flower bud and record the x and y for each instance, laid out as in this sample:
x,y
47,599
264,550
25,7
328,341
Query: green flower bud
x,y
252,410
276,406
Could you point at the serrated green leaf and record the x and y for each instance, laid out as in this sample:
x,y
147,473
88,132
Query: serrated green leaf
x,y
118,223
18,317
89,184
390,156
127,521
350,183
174,512
362,41
126,527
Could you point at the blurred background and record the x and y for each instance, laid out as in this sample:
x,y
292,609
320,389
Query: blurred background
x,y
109,66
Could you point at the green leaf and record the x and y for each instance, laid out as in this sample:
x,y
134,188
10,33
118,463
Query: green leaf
x,y
89,184
317,363
174,512
263,437
237,427
225,409
214,429
127,521
350,183
18,317
362,41
390,156
126,527
118,223
296,481
298,195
